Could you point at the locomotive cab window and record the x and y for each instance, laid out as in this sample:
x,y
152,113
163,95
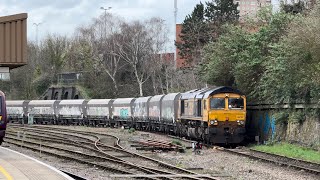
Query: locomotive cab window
x,y
235,103
182,107
217,103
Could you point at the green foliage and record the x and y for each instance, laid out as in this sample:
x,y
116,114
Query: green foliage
x,y
131,130
281,117
291,150
41,84
292,73
294,8
54,49
239,57
221,57
177,142
297,117
5,88
221,11
37,72
179,165
203,25
83,91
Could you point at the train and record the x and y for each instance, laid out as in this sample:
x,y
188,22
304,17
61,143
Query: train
x,y
213,115
3,116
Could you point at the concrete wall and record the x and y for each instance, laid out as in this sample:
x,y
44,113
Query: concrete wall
x,y
60,93
262,122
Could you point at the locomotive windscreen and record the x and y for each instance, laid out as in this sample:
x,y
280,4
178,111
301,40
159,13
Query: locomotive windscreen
x,y
235,103
217,103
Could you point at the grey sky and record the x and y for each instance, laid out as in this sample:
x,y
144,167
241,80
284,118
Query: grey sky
x,y
63,16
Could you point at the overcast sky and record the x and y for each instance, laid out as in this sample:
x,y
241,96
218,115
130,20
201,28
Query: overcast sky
x,y
63,16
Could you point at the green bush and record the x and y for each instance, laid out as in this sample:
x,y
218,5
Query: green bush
x,y
281,117
297,117
131,130
42,83
177,142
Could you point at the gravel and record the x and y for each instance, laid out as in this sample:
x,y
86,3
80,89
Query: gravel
x,y
213,161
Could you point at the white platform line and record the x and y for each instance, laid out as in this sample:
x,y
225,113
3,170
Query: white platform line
x,y
40,162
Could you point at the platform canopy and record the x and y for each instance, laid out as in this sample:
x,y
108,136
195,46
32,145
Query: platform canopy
x,y
13,43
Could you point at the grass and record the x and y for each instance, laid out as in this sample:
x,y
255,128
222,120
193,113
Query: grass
x,y
177,142
131,130
290,150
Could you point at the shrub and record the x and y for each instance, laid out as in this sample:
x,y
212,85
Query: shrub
x,y
281,117
177,142
297,117
131,130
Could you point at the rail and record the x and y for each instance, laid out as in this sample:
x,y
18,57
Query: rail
x,y
113,154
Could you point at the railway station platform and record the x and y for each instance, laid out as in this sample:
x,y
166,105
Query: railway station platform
x,y
14,165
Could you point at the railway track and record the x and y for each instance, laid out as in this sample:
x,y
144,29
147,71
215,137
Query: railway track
x,y
277,159
94,149
299,164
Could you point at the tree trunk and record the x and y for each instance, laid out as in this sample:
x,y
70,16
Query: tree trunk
x,y
140,88
153,78
167,80
115,87
140,81
161,85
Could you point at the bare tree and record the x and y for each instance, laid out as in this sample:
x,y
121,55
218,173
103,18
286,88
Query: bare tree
x,y
110,62
102,36
159,33
135,48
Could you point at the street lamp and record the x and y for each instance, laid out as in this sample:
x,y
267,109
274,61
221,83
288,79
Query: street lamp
x,y
105,19
105,9
37,24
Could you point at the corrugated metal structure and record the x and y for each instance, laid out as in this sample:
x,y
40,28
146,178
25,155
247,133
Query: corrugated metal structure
x,y
13,40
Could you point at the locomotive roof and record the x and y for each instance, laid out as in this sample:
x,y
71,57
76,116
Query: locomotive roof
x,y
194,93
221,89
206,92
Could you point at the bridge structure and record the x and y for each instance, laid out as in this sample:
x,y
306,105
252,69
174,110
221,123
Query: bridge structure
x,y
13,43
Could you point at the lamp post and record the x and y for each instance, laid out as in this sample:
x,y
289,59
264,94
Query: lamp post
x,y
37,25
105,9
105,19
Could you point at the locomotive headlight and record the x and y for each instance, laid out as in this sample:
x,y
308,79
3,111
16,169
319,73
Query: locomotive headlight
x,y
214,122
240,122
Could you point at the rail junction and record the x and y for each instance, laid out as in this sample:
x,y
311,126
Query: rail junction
x,y
96,149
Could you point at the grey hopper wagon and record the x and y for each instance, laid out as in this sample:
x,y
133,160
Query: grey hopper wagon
x,y
99,112
72,111
122,111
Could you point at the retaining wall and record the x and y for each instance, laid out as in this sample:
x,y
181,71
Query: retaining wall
x,y
262,122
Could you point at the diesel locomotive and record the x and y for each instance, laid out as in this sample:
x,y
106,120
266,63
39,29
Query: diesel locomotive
x,y
215,115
